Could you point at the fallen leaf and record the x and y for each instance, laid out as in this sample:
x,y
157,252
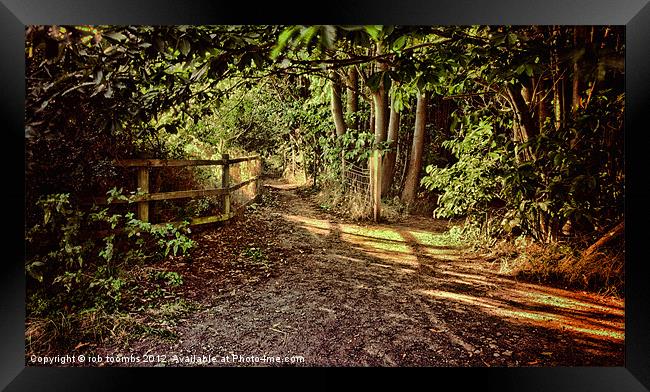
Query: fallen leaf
x,y
78,346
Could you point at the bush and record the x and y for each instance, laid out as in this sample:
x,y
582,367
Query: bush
x,y
78,262
561,264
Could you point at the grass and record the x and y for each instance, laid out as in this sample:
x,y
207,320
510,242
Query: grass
x,y
561,264
448,238
378,238
148,307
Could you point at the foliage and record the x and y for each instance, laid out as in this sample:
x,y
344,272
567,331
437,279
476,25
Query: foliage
x,y
561,176
74,267
96,93
169,277
468,185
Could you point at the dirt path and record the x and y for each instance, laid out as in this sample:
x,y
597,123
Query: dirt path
x,y
346,294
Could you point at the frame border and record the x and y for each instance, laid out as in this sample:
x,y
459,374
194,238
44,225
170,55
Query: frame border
x,y
634,14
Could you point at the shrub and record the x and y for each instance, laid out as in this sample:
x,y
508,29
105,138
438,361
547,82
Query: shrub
x,y
78,261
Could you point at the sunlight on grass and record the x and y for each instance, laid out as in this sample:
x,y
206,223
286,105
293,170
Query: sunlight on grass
x,y
377,245
599,332
318,223
505,308
568,303
527,315
380,234
388,246
434,239
386,240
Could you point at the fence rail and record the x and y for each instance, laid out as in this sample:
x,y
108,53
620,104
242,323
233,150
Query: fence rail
x,y
144,197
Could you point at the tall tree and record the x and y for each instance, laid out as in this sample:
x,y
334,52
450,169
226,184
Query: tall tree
x,y
579,33
380,99
337,105
415,161
524,126
352,98
388,169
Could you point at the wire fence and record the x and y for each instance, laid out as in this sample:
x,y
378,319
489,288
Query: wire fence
x,y
356,181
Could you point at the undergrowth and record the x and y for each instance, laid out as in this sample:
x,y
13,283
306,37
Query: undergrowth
x,y
558,263
89,271
356,205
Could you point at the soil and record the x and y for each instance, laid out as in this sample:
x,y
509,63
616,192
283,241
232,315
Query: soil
x,y
289,279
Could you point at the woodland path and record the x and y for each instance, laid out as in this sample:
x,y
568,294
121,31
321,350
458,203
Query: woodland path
x,y
353,294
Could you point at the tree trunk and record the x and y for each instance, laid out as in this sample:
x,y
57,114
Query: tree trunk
x,y
380,101
542,107
524,125
352,98
337,106
371,118
388,170
415,162
576,85
381,123
602,241
557,103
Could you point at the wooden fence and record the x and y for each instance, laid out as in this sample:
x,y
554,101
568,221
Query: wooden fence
x,y
226,189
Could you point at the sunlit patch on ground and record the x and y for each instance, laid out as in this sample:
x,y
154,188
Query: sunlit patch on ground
x,y
434,240
382,233
395,258
470,278
537,307
554,300
315,226
383,243
465,284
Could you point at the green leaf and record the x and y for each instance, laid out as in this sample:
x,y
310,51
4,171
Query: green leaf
x,y
115,36
185,47
529,70
373,31
199,73
399,43
328,36
283,40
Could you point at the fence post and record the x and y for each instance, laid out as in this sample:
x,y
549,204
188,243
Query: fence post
x,y
343,174
225,184
258,174
376,192
143,184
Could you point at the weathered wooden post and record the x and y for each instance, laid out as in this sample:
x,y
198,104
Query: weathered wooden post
x,y
343,175
143,185
376,191
225,184
258,174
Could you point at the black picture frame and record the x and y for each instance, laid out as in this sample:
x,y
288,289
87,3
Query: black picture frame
x,y
634,14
